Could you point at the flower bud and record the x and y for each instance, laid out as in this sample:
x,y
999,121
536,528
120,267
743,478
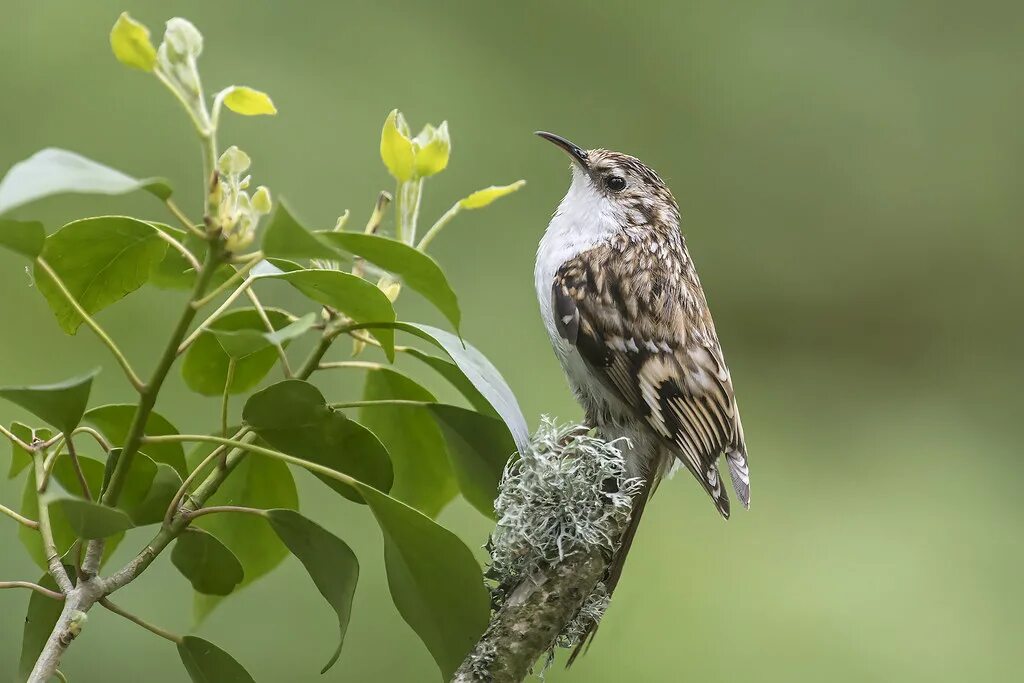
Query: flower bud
x,y
233,161
183,40
391,288
396,150
261,202
433,147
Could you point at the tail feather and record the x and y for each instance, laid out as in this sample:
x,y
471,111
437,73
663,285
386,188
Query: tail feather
x,y
619,559
739,471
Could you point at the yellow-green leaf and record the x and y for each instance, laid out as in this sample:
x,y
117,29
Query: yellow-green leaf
x,y
244,100
482,198
396,149
131,45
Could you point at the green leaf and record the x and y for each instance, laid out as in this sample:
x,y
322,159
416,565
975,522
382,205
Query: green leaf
x,y
115,420
479,447
91,520
247,101
293,417
330,562
482,198
450,371
206,363
138,480
62,478
355,297
435,582
42,616
287,238
207,563
481,373
22,237
101,260
19,458
61,405
151,509
55,171
131,45
207,663
423,476
416,269
255,482
239,344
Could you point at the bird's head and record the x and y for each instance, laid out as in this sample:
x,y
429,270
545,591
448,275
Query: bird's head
x,y
617,184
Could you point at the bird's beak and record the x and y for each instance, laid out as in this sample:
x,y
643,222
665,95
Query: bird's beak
x,y
578,154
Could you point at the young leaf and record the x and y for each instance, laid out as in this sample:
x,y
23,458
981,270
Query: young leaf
x,y
54,171
479,447
292,416
423,477
482,198
100,260
64,536
131,45
114,421
239,344
418,270
353,296
22,237
288,239
255,482
19,458
435,582
61,405
247,101
206,363
207,663
396,150
91,520
42,616
330,562
207,563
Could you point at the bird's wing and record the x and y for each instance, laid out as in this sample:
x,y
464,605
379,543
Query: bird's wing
x,y
636,334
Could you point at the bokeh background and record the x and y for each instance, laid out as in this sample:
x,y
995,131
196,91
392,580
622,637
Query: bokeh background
x,y
849,175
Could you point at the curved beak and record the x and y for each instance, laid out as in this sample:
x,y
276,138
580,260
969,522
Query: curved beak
x,y
578,154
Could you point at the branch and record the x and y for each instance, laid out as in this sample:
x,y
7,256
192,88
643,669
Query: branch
x,y
174,638
527,625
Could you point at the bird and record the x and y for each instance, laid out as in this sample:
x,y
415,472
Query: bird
x,y
629,322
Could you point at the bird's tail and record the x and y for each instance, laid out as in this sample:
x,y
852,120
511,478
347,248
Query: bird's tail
x,y
619,559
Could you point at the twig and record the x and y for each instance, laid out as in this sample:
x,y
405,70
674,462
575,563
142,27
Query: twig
x,y
262,313
77,464
239,274
183,219
100,439
202,327
380,402
174,638
32,586
194,474
356,364
93,325
53,562
188,255
24,521
216,509
15,440
226,397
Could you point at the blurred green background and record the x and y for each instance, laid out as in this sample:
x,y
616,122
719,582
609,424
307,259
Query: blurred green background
x,y
849,176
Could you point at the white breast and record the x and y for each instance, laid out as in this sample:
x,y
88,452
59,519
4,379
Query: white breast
x,y
583,220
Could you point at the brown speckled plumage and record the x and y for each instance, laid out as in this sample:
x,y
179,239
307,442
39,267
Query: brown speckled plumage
x,y
631,325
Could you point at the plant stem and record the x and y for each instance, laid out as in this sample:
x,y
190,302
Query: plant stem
x,y
262,313
79,473
381,402
194,474
149,394
183,219
100,439
15,440
53,562
32,586
253,448
202,327
436,228
174,638
24,521
216,509
399,212
239,274
358,364
180,248
93,325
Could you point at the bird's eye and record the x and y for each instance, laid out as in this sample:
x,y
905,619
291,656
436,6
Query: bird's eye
x,y
615,183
